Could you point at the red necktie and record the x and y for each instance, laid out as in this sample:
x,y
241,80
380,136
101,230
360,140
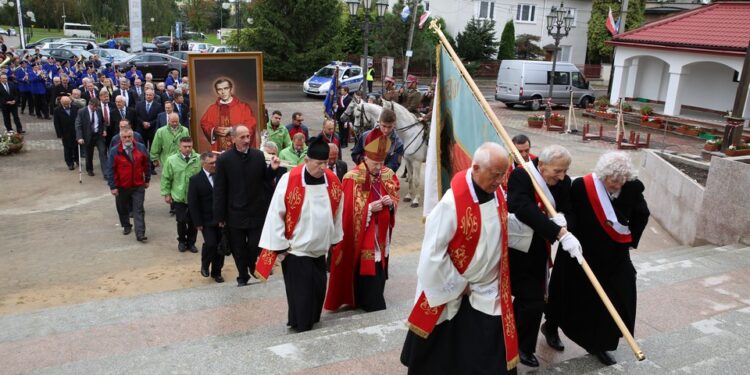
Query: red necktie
x,y
105,112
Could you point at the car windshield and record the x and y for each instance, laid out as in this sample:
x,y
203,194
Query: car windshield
x,y
325,72
117,53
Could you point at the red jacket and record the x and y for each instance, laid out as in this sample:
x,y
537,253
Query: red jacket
x,y
126,173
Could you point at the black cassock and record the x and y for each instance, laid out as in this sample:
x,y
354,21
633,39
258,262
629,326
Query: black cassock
x,y
573,303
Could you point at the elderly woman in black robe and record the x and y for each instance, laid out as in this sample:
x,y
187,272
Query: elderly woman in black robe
x,y
608,216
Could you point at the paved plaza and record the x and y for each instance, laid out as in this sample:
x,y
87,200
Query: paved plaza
x,y
78,297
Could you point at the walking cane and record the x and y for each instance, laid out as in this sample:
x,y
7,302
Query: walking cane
x,y
551,210
80,171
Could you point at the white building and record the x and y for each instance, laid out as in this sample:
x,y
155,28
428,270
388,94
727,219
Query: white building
x,y
529,17
691,59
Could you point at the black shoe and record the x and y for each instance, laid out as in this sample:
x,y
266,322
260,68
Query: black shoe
x,y
71,167
91,173
21,132
219,279
528,359
204,272
181,247
126,230
241,282
143,239
604,358
552,338
193,249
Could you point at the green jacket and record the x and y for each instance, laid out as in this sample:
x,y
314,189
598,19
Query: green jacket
x,y
280,136
176,173
291,156
166,143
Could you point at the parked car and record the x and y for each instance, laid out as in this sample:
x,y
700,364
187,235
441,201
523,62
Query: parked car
x,y
161,39
123,42
158,64
111,55
349,76
39,43
149,47
193,35
87,45
182,55
65,53
221,49
527,82
199,46
9,31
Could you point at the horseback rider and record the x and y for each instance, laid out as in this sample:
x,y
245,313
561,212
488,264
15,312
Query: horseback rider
x,y
410,97
389,92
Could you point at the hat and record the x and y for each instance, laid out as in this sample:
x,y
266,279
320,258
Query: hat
x,y
411,79
318,149
377,145
390,79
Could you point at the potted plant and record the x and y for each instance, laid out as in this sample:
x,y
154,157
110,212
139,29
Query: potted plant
x,y
557,119
626,107
713,144
738,150
536,121
689,130
646,110
10,142
602,103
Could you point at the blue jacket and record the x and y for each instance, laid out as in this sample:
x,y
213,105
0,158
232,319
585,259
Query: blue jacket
x,y
171,82
23,86
36,84
129,75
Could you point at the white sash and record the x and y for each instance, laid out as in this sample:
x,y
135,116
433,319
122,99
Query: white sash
x,y
539,180
609,211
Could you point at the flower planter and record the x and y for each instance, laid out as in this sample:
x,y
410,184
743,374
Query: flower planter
x,y
652,124
557,121
15,147
690,132
741,152
535,123
712,146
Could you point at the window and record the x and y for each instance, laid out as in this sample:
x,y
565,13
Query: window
x,y
573,12
561,78
563,54
526,13
579,81
486,10
426,5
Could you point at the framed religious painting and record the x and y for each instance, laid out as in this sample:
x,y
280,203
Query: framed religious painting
x,y
226,91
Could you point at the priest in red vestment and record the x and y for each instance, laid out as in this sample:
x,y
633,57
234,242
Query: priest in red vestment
x,y
359,265
227,112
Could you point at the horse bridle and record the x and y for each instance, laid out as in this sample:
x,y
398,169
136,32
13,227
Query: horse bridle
x,y
420,133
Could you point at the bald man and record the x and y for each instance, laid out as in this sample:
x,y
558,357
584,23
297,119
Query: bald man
x,y
64,118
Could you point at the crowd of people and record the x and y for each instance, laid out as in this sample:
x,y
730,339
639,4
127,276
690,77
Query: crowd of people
x,y
485,277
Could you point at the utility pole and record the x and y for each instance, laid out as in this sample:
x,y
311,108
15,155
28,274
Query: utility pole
x,y
409,52
735,121
620,30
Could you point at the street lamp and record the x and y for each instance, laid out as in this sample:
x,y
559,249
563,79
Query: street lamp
x,y
558,19
224,6
381,6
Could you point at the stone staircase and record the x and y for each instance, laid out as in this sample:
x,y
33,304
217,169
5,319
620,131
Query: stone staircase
x,y
694,317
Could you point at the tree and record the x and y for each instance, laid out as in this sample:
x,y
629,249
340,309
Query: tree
x,y
199,14
598,50
526,47
296,36
507,48
477,41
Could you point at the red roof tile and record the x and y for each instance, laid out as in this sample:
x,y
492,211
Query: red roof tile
x,y
722,26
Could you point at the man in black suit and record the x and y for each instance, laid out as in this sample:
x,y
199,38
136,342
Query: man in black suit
x,y
121,112
179,106
242,194
64,118
127,94
90,91
147,112
91,133
162,118
139,91
9,102
338,166
106,108
64,89
201,208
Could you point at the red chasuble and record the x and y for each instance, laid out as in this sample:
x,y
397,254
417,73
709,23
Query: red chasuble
x,y
293,201
227,115
601,216
461,248
356,253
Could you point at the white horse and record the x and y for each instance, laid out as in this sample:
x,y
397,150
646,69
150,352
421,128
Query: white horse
x,y
412,134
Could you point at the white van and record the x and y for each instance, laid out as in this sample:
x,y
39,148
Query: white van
x,y
77,30
525,82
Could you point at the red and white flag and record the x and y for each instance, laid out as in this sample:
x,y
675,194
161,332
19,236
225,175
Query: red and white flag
x,y
611,25
423,18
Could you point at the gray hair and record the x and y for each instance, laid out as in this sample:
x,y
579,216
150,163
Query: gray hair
x,y
483,154
554,152
271,145
615,165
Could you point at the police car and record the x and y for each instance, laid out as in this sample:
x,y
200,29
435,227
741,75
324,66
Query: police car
x,y
349,75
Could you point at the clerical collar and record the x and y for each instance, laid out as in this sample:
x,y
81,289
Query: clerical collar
x,y
482,195
310,180
226,102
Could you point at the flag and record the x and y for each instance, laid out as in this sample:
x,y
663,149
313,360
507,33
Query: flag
x,y
459,126
612,26
405,13
333,90
423,18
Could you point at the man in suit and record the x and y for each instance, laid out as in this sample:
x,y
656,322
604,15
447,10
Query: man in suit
x,y
64,118
179,106
127,94
200,206
162,118
9,102
64,89
139,91
90,91
122,112
106,108
335,164
147,112
91,133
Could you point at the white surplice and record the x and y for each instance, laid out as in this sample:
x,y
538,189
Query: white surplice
x,y
316,230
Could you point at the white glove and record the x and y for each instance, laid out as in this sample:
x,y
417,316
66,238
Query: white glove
x,y
570,244
559,219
